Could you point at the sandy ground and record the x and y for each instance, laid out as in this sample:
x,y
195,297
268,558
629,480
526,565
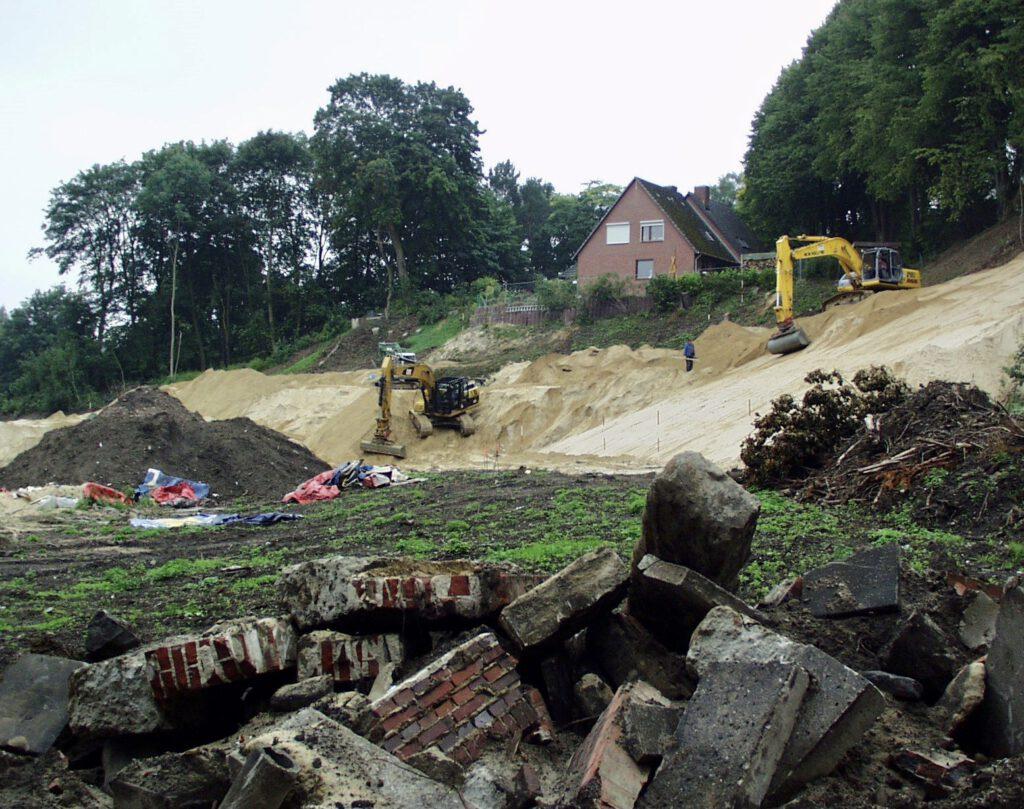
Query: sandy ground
x,y
618,408
21,434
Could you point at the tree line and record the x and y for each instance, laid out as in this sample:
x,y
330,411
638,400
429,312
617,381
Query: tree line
x,y
903,120
203,254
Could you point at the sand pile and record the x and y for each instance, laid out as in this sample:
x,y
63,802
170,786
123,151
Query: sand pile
x,y
19,435
618,408
147,428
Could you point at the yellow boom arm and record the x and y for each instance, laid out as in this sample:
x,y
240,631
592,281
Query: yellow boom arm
x,y
840,249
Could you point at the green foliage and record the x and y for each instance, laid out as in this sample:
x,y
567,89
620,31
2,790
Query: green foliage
x,y
431,337
605,289
547,555
555,295
901,116
711,289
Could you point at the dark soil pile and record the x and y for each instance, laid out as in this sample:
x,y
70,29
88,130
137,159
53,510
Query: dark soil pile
x,y
948,450
148,428
357,350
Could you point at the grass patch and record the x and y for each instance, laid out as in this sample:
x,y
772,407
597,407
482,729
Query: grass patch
x,y
306,364
434,335
547,555
178,568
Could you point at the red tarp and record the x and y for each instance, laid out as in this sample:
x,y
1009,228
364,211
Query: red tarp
x,y
180,494
103,494
314,489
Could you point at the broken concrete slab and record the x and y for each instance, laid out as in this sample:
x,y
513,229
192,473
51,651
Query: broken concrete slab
x,y
626,651
108,636
978,624
732,736
865,583
963,697
649,722
1004,681
34,701
190,779
456,704
295,696
350,659
905,688
835,713
349,708
343,591
920,649
338,767
566,602
601,774
556,677
149,690
266,778
698,516
670,600
592,695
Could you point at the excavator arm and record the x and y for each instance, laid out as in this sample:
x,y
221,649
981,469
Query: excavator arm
x,y
790,337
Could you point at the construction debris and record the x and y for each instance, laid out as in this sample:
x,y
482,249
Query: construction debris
x,y
34,702
963,697
699,517
1004,669
565,603
920,649
867,582
108,636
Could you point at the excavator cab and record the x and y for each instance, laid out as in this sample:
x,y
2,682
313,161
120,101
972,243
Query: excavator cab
x,y
883,268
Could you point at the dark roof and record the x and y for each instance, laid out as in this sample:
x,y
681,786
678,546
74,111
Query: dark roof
x,y
740,236
695,231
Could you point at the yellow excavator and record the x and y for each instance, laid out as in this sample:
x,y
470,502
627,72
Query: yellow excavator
x,y
864,273
446,403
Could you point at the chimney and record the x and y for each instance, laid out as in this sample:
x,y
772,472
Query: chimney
x,y
703,195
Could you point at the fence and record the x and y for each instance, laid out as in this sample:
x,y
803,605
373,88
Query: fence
x,y
533,314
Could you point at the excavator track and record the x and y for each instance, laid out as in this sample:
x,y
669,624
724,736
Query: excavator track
x,y
466,425
845,298
424,427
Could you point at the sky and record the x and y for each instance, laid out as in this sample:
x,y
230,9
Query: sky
x,y
569,91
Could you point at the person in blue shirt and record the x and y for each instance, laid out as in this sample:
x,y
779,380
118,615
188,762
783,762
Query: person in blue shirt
x,y
690,353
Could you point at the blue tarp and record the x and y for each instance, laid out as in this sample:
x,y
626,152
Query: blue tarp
x,y
157,479
266,518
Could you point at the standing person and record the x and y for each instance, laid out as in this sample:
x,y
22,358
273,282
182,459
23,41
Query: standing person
x,y
690,353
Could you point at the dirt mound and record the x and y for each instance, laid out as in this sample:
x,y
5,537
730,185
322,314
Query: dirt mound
x,y
147,428
948,450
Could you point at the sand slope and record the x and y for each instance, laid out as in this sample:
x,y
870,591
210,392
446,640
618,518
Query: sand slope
x,y
21,434
617,408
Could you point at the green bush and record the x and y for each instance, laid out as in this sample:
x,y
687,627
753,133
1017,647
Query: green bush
x,y
606,289
669,293
555,295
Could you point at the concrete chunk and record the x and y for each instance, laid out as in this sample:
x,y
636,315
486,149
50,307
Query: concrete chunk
x,y
191,779
867,582
626,651
836,712
978,625
671,600
920,649
698,516
108,636
566,602
1004,694
732,736
337,767
601,774
295,696
592,695
963,697
343,592
34,701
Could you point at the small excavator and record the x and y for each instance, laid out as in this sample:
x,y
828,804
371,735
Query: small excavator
x,y
446,403
864,273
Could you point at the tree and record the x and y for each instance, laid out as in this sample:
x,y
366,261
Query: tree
x,y
401,162
728,188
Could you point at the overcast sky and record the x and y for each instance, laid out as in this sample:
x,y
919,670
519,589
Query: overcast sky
x,y
570,91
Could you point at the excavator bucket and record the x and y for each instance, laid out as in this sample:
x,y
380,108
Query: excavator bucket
x,y
379,446
788,342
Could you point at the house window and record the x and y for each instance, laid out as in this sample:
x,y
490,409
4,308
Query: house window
x,y
645,268
617,233
652,231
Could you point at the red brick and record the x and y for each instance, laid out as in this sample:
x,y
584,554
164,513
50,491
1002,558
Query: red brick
x,y
436,732
163,658
507,681
461,755
404,697
469,708
410,731
410,749
462,697
437,694
179,668
421,687
399,719
494,653
392,744
191,653
459,586
327,657
493,673
445,708
385,707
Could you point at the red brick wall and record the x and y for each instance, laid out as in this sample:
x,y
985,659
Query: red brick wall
x,y
599,258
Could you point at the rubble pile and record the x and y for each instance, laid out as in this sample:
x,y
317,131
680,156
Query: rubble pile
x,y
147,428
403,683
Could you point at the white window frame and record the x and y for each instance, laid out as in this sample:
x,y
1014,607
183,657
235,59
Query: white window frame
x,y
636,269
648,224
608,232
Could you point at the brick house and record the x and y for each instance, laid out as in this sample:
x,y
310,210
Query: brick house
x,y
650,225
